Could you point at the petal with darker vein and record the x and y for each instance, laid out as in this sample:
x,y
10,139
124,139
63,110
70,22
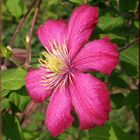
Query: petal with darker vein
x,y
36,90
81,24
90,99
58,115
99,55
53,31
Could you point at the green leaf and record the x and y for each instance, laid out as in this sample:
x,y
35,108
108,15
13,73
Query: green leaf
x,y
13,79
38,116
129,69
50,2
15,7
110,131
72,131
118,100
132,101
118,80
63,136
30,135
83,135
121,135
136,23
19,100
77,1
112,134
5,104
122,117
136,113
127,5
5,92
108,22
130,55
32,127
4,138
114,37
11,127
100,133
132,98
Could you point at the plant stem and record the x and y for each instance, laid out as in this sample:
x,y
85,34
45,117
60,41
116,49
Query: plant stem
x,y
128,45
28,56
21,23
28,109
18,28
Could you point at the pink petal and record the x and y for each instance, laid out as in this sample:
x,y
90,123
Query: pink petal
x,y
58,115
52,30
35,89
80,26
100,55
91,100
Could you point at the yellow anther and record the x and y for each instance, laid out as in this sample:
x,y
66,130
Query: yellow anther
x,y
52,62
55,64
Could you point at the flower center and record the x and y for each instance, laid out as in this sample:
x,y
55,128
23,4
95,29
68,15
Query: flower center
x,y
52,62
55,64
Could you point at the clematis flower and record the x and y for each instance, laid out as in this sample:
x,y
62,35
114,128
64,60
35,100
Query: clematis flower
x,y
62,73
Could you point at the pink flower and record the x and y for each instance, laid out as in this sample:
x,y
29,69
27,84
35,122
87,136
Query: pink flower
x,y
61,72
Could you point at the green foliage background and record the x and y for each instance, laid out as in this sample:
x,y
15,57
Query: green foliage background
x,y
119,20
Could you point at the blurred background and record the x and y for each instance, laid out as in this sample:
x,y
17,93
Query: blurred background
x,y
119,20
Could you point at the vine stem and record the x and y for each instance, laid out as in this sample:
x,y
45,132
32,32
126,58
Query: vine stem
x,y
28,109
18,28
28,55
21,23
128,45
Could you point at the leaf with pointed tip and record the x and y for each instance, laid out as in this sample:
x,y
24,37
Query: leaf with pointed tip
x,y
13,79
